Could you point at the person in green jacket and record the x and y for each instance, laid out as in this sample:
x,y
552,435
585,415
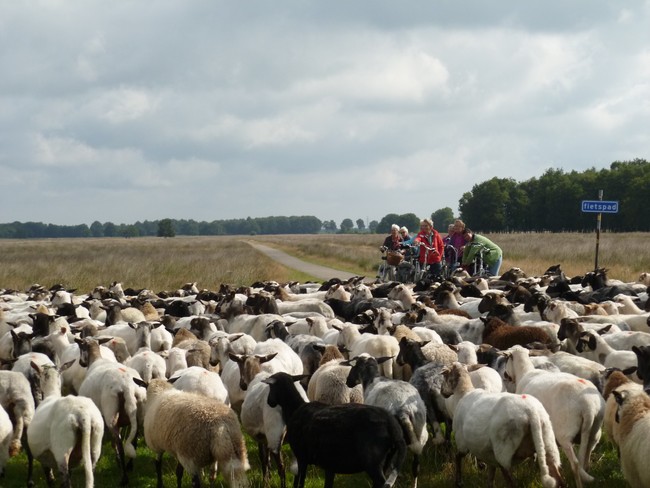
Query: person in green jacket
x,y
474,242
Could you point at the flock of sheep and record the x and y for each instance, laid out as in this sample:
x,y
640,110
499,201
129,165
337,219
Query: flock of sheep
x,y
354,376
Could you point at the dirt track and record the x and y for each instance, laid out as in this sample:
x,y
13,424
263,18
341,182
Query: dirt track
x,y
321,272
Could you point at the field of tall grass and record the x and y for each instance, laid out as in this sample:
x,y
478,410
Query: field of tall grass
x,y
165,264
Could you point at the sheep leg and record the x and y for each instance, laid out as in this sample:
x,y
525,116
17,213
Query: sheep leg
x,y
490,476
158,463
508,477
567,447
49,476
459,468
279,463
329,479
196,481
415,470
65,473
299,478
119,450
263,452
30,461
179,475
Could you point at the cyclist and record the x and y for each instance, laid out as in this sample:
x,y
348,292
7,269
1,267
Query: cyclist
x,y
473,244
391,246
393,241
454,243
431,248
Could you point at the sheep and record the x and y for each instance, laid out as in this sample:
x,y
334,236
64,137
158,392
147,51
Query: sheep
x,y
593,346
6,430
503,336
574,405
327,384
16,399
259,420
500,428
576,365
110,386
377,346
427,380
398,397
175,360
347,438
23,365
615,379
198,380
634,428
62,425
198,431
148,364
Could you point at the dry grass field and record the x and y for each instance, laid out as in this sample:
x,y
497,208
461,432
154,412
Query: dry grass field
x,y
165,264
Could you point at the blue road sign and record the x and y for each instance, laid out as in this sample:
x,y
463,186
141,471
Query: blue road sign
x,y
599,206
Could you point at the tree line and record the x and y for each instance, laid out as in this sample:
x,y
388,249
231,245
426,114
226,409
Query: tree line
x,y
552,202
548,203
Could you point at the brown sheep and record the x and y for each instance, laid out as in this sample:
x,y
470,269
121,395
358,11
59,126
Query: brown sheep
x,y
503,336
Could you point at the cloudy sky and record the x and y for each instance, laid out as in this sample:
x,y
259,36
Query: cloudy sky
x,y
141,110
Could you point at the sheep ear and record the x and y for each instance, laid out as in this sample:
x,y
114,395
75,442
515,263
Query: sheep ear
x,y
592,342
140,382
171,380
267,358
104,340
299,377
35,367
319,347
337,327
484,319
384,359
65,366
620,397
604,329
236,357
76,339
234,337
453,347
632,370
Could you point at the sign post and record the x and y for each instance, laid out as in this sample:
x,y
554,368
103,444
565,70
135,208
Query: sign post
x,y
599,206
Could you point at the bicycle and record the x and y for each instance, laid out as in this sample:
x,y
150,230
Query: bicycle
x,y
422,269
479,269
449,262
387,270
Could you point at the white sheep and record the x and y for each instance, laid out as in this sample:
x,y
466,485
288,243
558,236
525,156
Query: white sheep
x,y
148,364
592,346
110,386
16,398
375,345
62,425
198,431
500,428
634,430
201,381
574,405
175,360
6,430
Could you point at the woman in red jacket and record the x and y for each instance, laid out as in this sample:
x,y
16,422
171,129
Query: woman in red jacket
x,y
431,247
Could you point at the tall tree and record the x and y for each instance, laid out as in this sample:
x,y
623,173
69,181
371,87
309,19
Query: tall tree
x,y
346,225
166,228
361,225
442,218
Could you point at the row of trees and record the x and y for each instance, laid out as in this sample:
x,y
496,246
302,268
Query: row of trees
x,y
552,202
548,203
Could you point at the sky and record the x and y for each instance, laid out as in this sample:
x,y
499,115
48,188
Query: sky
x,y
209,110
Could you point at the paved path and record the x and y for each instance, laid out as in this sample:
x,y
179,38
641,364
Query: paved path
x,y
321,272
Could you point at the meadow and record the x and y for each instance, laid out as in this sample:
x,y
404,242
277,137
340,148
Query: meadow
x,y
165,264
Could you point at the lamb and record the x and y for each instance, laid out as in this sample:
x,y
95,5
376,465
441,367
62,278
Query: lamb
x,y
634,428
196,430
110,386
62,425
500,428
398,397
347,438
574,405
